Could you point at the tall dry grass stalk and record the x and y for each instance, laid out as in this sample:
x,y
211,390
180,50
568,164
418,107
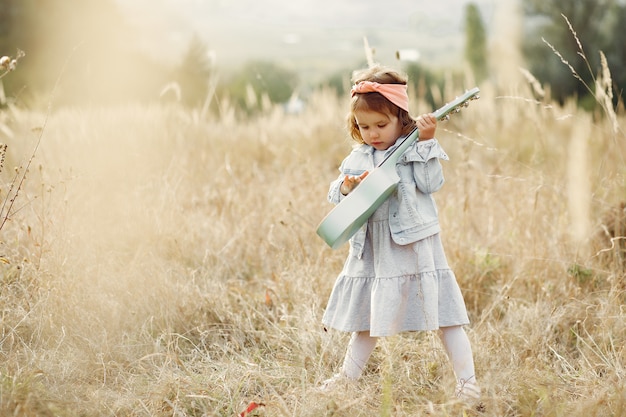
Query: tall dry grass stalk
x,y
505,50
579,192
604,92
602,89
166,264
10,190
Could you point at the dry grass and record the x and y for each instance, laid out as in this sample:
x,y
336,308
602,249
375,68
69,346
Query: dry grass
x,y
162,265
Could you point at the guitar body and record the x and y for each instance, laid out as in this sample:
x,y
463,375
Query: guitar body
x,y
356,208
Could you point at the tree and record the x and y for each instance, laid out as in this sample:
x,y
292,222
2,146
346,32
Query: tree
x,y
596,24
262,78
89,39
6,10
193,74
422,82
475,42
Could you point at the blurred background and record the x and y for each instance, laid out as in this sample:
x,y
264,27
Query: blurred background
x,y
119,51
158,253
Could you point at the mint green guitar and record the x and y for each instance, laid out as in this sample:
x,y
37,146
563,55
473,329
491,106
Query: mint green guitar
x,y
353,211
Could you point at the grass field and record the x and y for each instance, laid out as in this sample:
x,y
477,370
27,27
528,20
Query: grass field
x,y
160,264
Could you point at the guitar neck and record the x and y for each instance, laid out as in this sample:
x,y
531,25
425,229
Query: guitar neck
x,y
441,113
393,157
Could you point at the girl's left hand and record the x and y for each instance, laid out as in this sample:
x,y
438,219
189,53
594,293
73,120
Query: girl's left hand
x,y
427,124
350,183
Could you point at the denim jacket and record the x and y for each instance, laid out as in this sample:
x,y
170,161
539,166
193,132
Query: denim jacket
x,y
412,210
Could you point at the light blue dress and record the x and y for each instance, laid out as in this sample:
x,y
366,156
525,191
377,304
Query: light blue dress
x,y
394,288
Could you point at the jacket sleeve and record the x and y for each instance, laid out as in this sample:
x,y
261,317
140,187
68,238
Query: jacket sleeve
x,y
427,170
354,164
334,191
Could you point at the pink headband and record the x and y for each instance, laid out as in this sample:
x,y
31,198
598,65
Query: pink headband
x,y
396,93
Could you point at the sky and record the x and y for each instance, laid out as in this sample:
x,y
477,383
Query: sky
x,y
319,34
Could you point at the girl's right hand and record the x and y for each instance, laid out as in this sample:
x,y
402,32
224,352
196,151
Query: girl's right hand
x,y
350,183
427,124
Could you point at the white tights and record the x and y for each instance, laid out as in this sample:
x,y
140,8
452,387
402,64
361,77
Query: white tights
x,y
454,339
359,350
459,350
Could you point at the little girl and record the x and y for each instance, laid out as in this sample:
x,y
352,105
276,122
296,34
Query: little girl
x,y
396,277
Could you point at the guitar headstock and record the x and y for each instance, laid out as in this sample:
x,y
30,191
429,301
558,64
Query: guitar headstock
x,y
457,104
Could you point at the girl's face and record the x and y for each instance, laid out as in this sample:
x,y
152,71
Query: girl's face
x,y
379,130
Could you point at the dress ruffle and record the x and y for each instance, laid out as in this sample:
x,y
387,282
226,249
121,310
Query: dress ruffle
x,y
395,288
386,306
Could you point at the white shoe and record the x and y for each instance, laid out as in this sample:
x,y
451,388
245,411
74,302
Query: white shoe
x,y
332,383
467,389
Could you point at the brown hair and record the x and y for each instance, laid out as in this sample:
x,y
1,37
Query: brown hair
x,y
375,101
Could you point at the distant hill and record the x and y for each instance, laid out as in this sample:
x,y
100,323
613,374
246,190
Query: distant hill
x,y
309,36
